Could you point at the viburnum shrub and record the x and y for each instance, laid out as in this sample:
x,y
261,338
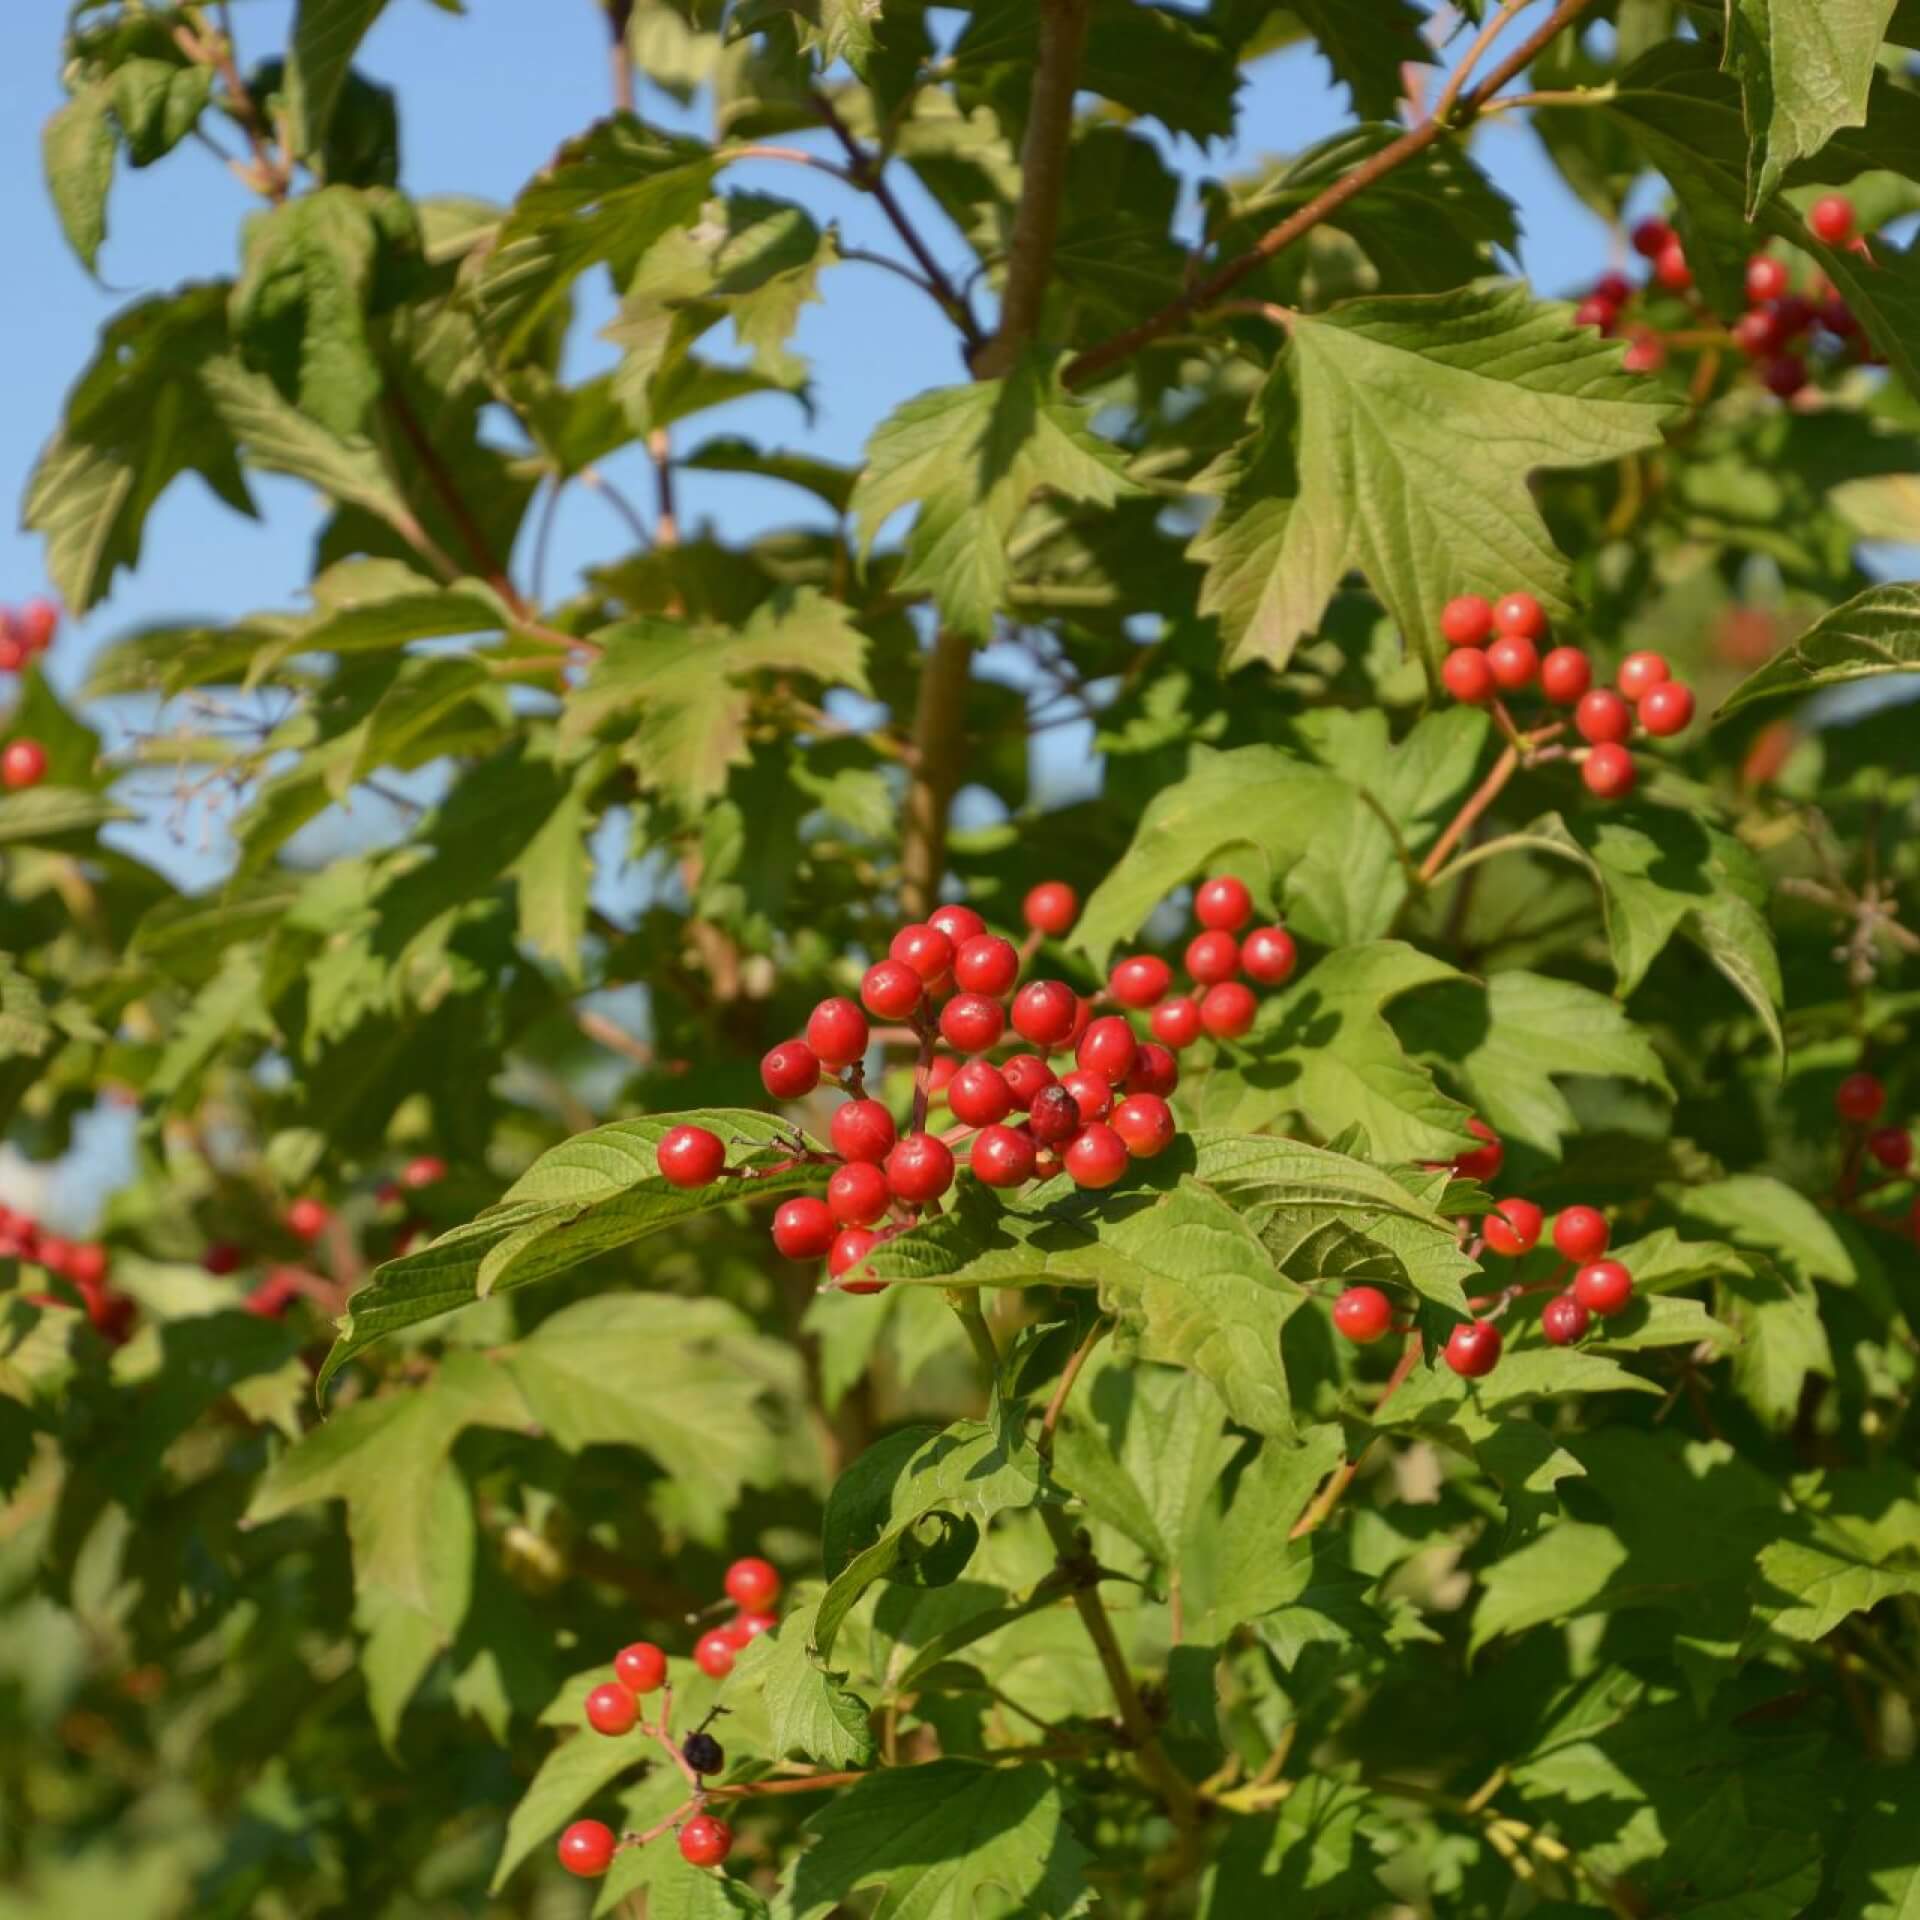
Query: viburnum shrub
x,y
1161,1164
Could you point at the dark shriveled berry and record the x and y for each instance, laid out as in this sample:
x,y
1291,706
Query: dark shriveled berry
x,y
704,1754
1054,1116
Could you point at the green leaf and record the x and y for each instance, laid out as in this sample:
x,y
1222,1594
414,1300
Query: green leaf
x,y
1783,1340
53,816
1392,389
1873,634
158,103
76,154
1259,1570
25,1030
1816,1584
554,876
972,459
326,34
939,1841
811,1715
1756,1210
1367,50
1877,1876
380,621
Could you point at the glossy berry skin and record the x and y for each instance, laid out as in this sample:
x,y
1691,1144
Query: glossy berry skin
x,y
837,1033
690,1157
1154,1070
1045,1012
307,1219
1514,662
1513,1228
1831,218
1651,238
1563,1320
612,1710
790,1071
987,964
1141,982
1609,772
890,990
713,1654
1145,1123
940,1072
920,1169
971,1023
1052,907
1891,1146
1176,1023
1604,1287
1565,674
1467,676
1228,1010
1482,1163
1097,1156
23,764
979,1095
752,1583
960,924
1107,1048
1212,957
1363,1314
1521,614
1767,279
1473,1351
1223,904
701,1751
861,1130
848,1250
858,1194
1467,620
641,1667
705,1841
1025,1074
1602,717
1602,315
1757,333
87,1262
1002,1157
1667,709
1672,270
752,1625
1054,1117
803,1228
1092,1093
586,1849
1640,673
1268,955
925,949
1581,1234
1858,1098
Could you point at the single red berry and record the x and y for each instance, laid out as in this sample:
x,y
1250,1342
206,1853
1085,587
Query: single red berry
x,y
1482,1163
1228,1010
1615,286
1784,375
87,1263
1025,1074
1609,772
1051,907
752,1625
1646,352
803,1228
1046,1012
925,949
1838,318
641,1667
1831,218
1891,1146
1108,1048
612,1710
1580,1234
35,624
858,1193
1767,279
891,990
1602,717
1757,333
960,924
940,1072
307,1219
1672,270
979,1095
1145,1123
425,1170
1513,1228
1565,674
837,1033
705,1841
1521,614
1176,1022
586,1848
1473,1351
790,1070
55,1252
1363,1314
1097,1156
971,1023
987,964
920,1169
713,1654
23,764
1563,1320
1466,620
752,1583
1092,1092
1859,1098
1054,1117
1667,709
1268,954
1651,238
1155,1070
13,656
1141,982
1602,315
1513,660
848,1250
222,1258
1223,904
1002,1157
1467,676
1640,673
861,1130
1604,1287
1213,957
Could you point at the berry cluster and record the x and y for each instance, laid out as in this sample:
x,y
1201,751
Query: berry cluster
x,y
25,632
614,1709
953,986
1495,649
1860,1100
84,1264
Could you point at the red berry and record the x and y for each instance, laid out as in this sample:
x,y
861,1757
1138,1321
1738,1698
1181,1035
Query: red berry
x,y
1757,333
1667,709
1891,1146
803,1228
1481,1163
752,1583
612,1710
307,1219
1581,1234
1108,1048
223,1257
1646,353
1227,1010
1055,1116
1363,1314
1097,1156
1467,676
1155,1070
54,1253
848,1250
1609,772
13,656
1767,279
87,1263
1212,957
1604,1287
1671,269
23,764
1615,287
35,623
858,1193
925,949
1045,1012
920,1168
960,924
837,1033
1473,1351
1092,1092
1466,620
690,1157
1513,1228
751,1625
1784,375
1025,1074
1651,238
790,1070
940,1072
586,1848
1565,674
1521,614
1602,315
705,1841
861,1130
713,1654
1563,1320
1640,673
1513,660
1141,982
1082,1020
1051,907
1223,904
1859,1098
1838,318
1831,218
979,1095
891,990
1002,1157
1176,1022
987,964
641,1667
737,1636
971,1023
1602,717
1145,1123
1267,954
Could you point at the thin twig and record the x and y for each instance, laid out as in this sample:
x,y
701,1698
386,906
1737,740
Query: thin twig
x,y
1477,802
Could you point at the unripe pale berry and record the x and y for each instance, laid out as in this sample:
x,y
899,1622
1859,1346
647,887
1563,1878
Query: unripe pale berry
x,y
1563,1320
1025,1074
920,1169
1228,1010
1831,218
612,1710
713,1654
752,1583
1602,717
1223,904
890,990
1268,955
1651,238
1363,1314
979,1095
858,1194
1859,1098
1154,1070
1891,1146
849,1248
1609,772
1565,674
1002,1157
987,964
705,1841
23,764
1096,1157
1604,1287
837,1032
1473,1351
1140,982
1513,1228
1045,1012
1054,1117
924,948
1107,1048
1467,676
1482,1163
1521,614
307,1219
790,1070
1213,956
861,1130
1051,907
803,1227
1667,709
971,1023
641,1667
586,1849
1145,1122
1092,1092
1640,672
1467,620
1581,1234
1767,278
1176,1022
